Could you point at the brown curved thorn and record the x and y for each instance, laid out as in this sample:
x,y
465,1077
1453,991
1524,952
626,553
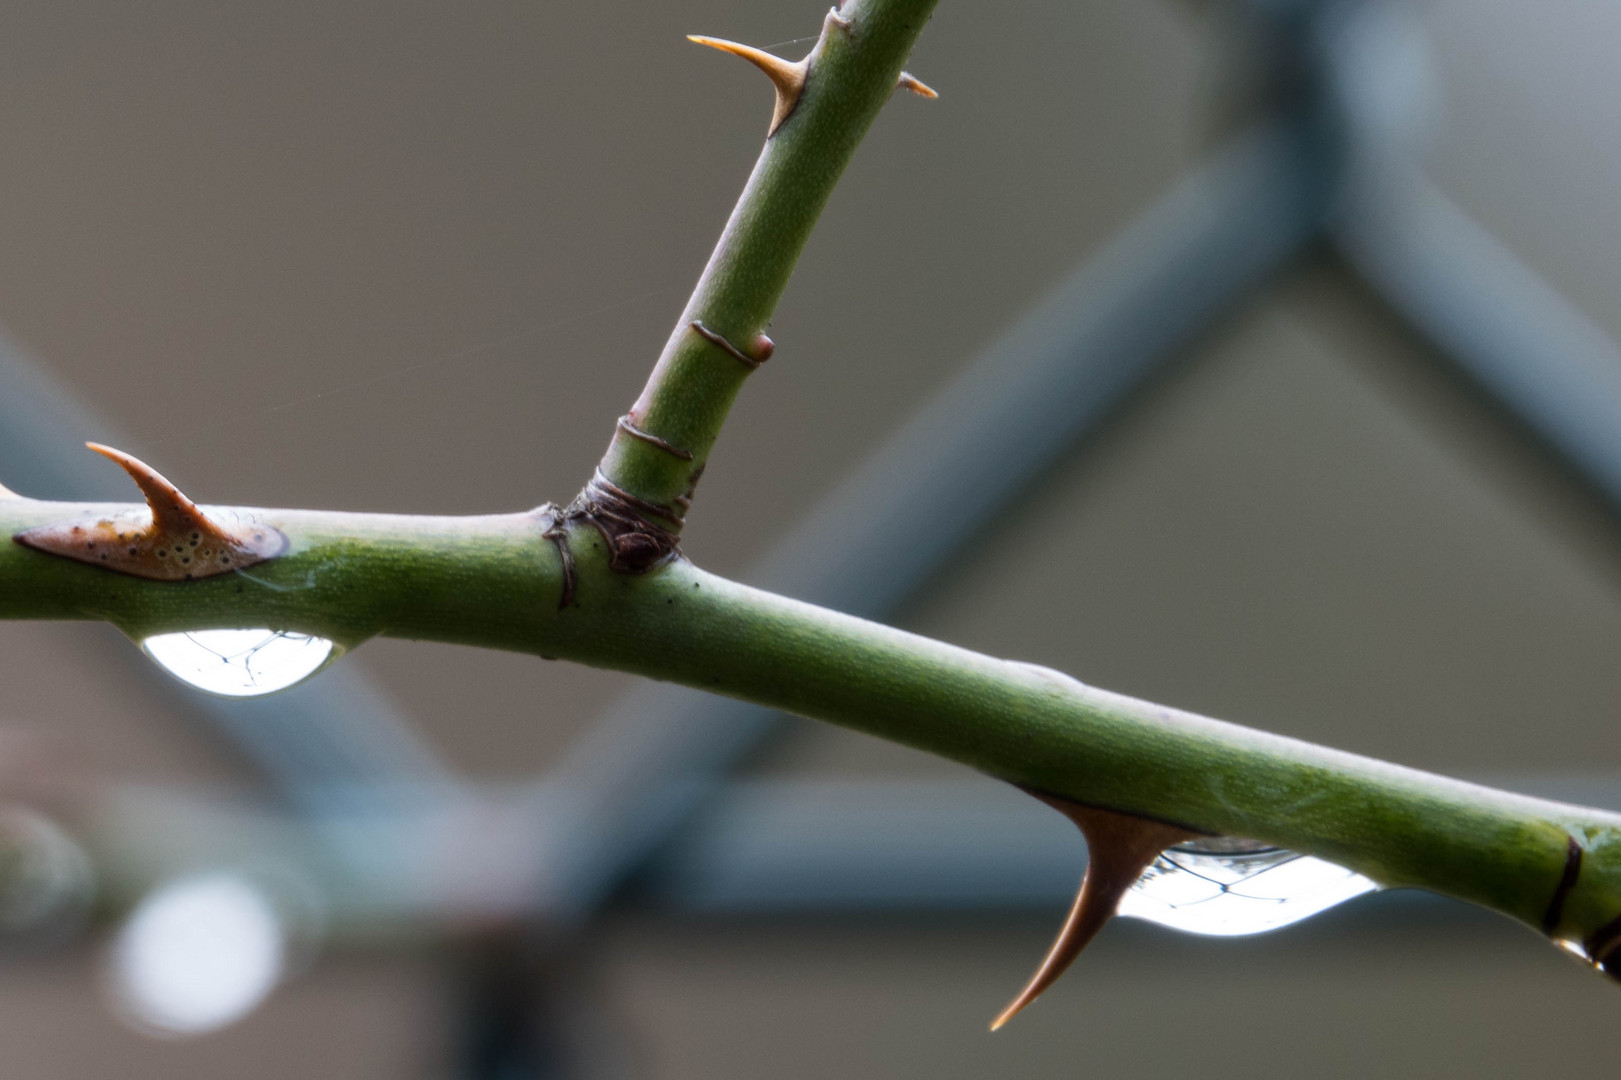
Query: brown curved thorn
x,y
788,77
175,541
1119,847
911,82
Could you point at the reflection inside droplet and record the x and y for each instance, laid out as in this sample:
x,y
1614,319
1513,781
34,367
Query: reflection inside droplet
x,y
1576,949
197,954
239,663
1604,957
1226,886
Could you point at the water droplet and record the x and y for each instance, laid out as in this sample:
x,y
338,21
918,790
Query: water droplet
x,y
1226,886
239,663
198,954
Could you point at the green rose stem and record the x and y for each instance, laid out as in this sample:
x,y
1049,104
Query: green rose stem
x,y
601,582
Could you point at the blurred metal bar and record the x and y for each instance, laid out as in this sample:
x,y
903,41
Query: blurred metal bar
x,y
757,847
1054,378
336,733
821,845
1494,320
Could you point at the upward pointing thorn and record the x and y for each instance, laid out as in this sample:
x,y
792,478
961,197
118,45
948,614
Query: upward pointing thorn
x,y
788,77
171,510
1119,847
178,542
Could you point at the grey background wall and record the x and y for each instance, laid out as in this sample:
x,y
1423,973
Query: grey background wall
x,y
416,257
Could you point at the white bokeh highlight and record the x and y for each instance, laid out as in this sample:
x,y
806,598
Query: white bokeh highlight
x,y
196,955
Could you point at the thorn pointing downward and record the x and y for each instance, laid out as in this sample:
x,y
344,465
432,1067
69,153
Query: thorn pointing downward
x,y
911,82
1119,847
175,542
788,77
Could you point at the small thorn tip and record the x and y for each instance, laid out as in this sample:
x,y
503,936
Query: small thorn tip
x,y
170,507
911,82
787,77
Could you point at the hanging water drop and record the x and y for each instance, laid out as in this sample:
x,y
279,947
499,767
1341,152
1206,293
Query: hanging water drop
x,y
239,663
1224,886
1168,874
